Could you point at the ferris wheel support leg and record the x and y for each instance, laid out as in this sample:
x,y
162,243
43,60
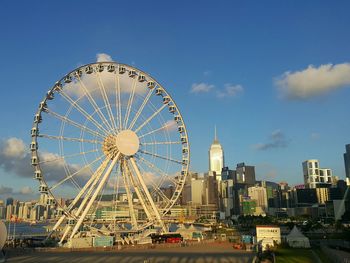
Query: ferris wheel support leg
x,y
155,210
65,234
91,183
94,180
139,195
129,195
76,199
58,223
97,191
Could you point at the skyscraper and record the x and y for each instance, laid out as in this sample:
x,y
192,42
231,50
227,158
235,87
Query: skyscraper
x,y
216,157
245,174
347,161
314,176
311,173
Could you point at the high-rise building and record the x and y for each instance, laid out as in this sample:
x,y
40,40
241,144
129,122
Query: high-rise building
x,y
259,194
211,188
198,191
311,173
314,176
245,174
326,175
305,197
216,157
9,201
322,195
347,160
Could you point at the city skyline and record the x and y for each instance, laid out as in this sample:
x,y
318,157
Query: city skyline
x,y
246,76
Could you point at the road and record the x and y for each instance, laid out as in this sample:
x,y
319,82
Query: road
x,y
206,253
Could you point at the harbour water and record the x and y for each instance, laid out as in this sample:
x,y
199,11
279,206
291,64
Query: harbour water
x,y
25,229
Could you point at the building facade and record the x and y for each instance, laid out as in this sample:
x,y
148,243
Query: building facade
x,y
347,161
311,173
216,157
245,174
259,194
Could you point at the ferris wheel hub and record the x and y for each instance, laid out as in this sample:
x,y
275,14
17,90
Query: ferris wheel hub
x,y
127,142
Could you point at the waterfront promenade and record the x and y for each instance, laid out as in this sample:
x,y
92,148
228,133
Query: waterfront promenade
x,y
199,253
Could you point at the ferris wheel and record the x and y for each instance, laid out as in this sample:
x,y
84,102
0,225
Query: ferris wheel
x,y
109,147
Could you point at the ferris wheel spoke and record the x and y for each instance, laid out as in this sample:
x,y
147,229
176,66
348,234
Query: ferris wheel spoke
x,y
68,138
82,111
75,173
118,101
144,103
106,101
165,126
161,143
150,118
97,191
161,157
74,123
149,197
94,104
130,101
67,156
158,170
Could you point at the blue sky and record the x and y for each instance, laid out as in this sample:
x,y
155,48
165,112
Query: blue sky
x,y
224,62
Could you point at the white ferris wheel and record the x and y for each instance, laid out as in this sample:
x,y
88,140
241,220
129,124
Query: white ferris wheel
x,y
109,140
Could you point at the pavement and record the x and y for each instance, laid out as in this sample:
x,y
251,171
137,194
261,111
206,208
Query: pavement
x,y
201,253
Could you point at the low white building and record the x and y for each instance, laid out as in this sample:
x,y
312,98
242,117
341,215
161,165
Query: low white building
x,y
268,235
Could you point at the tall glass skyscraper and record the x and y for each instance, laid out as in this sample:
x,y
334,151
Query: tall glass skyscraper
x,y
216,157
347,160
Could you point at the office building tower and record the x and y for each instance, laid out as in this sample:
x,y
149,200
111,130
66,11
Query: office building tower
x,y
326,176
227,174
198,191
311,173
9,201
322,195
216,157
245,174
305,197
259,194
347,161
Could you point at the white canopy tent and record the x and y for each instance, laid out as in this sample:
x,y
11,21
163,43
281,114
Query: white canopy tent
x,y
296,239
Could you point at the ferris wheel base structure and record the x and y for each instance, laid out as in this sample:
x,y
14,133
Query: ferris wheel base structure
x,y
109,129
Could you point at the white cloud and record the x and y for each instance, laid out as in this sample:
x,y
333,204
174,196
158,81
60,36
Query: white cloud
x,y
315,136
170,125
229,91
26,190
103,57
313,81
201,88
19,162
14,147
